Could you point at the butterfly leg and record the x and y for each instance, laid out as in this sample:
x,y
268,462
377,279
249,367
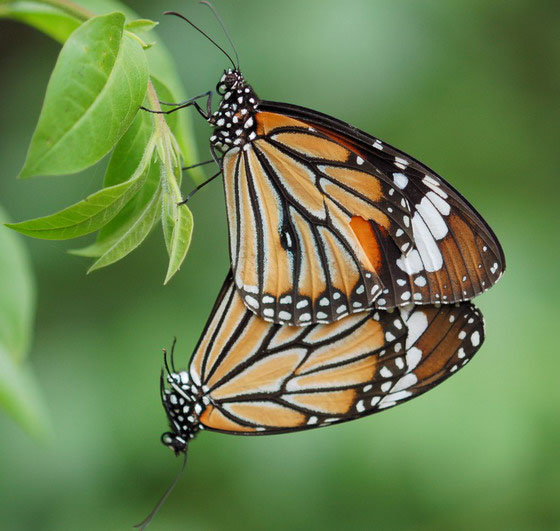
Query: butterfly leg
x,y
184,168
187,199
188,103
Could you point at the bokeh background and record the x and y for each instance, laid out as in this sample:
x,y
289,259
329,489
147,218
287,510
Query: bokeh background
x,y
471,88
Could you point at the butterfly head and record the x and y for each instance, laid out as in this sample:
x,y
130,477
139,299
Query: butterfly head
x,y
183,403
231,80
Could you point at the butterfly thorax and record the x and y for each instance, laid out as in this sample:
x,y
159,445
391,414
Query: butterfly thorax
x,y
234,121
183,402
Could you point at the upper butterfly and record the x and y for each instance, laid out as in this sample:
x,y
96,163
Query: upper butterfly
x,y
326,220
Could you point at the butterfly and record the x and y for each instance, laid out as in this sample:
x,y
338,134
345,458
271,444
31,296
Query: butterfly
x,y
251,377
326,220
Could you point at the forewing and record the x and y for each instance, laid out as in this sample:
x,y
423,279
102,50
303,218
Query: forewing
x,y
437,247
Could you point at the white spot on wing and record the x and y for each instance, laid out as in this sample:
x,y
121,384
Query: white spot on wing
x,y
432,218
475,338
417,324
400,179
411,263
426,245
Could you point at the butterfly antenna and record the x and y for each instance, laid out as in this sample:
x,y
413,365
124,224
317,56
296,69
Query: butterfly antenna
x,y
146,522
173,354
167,368
203,33
206,3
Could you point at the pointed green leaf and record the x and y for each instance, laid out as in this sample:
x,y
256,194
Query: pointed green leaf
x,y
129,152
134,235
91,213
19,395
114,230
95,90
125,158
17,294
180,241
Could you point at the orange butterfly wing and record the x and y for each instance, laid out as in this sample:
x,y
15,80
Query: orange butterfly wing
x,y
326,221
455,255
261,378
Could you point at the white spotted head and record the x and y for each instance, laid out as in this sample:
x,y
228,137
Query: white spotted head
x,y
183,403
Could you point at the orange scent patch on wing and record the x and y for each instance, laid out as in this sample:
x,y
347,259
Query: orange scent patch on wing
x,y
214,419
266,414
368,241
268,121
330,403
313,146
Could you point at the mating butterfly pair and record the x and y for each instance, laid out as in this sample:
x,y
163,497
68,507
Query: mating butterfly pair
x,y
327,224
351,262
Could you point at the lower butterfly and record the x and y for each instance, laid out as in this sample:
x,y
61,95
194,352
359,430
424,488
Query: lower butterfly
x,y
251,377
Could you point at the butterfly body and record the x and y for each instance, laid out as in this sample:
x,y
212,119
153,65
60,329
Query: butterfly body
x,y
234,121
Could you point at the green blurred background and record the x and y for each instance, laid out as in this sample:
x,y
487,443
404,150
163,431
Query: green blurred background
x,y
471,88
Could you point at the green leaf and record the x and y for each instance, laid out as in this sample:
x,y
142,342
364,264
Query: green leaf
x,y
17,294
180,240
135,233
19,395
130,150
141,25
116,229
91,213
94,93
125,159
52,21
